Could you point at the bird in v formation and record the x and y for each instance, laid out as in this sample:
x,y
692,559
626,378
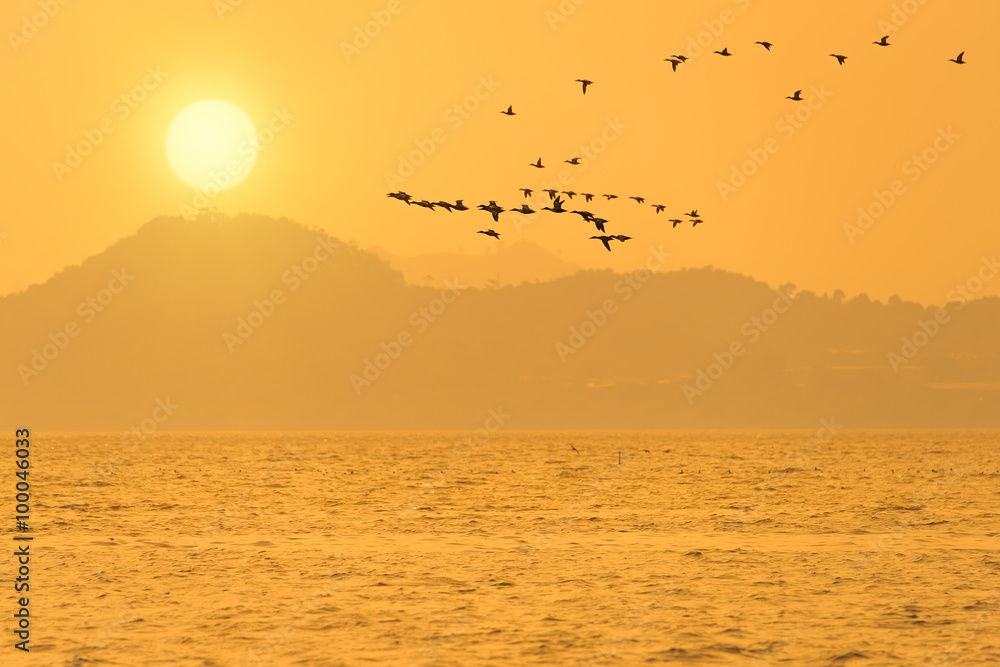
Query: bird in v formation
x,y
557,206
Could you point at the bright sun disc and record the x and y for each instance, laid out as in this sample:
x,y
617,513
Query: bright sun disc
x,y
212,144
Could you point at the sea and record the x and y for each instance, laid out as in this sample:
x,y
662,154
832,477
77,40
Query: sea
x,y
829,547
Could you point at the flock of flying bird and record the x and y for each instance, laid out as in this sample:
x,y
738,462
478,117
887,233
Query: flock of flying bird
x,y
557,202
676,60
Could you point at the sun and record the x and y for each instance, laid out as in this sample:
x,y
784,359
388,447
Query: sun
x,y
212,145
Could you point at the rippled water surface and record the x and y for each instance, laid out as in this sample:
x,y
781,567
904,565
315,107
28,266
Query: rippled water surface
x,y
860,548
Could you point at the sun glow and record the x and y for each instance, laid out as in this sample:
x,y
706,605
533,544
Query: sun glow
x,y
212,144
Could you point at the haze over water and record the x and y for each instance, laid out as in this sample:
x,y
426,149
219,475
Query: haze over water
x,y
735,547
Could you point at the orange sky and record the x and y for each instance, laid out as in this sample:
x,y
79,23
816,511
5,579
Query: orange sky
x,y
351,116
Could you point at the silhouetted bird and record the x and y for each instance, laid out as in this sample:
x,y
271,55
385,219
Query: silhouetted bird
x,y
569,193
575,450
681,58
459,206
587,196
884,41
638,200
673,63
604,240
556,206
840,59
696,222
659,208
552,193
575,160
527,192
797,96
693,213
585,83
724,52
622,237
445,205
492,209
675,221
538,164
527,210
599,223
401,196
586,215
490,232
766,45
959,60
610,197
509,111
425,204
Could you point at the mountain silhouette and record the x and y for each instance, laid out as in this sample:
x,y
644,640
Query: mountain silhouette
x,y
253,323
510,265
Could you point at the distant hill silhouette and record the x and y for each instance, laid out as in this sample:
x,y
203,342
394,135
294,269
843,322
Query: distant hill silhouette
x,y
505,265
163,321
